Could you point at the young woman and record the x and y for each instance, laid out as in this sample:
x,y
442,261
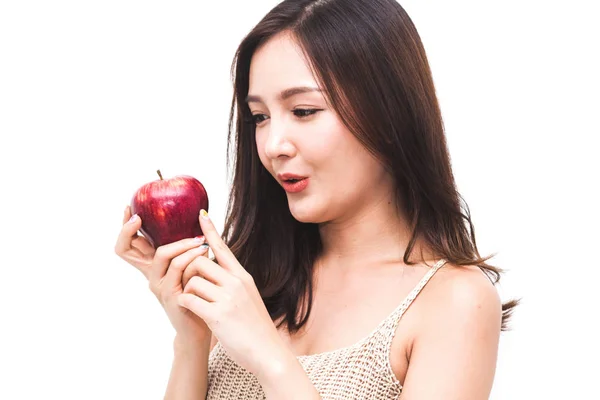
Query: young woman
x,y
343,210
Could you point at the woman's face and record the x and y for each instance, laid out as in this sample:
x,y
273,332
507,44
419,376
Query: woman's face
x,y
299,134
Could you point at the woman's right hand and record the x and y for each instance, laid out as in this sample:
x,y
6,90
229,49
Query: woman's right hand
x,y
164,268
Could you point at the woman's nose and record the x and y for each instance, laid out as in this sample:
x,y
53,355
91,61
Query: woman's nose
x,y
278,143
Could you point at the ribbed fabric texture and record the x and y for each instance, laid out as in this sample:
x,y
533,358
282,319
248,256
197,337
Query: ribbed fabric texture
x,y
360,371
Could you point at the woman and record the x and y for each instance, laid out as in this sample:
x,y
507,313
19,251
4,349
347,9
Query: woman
x,y
343,210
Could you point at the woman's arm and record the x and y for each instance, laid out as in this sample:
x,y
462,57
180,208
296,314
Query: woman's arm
x,y
454,355
287,379
189,374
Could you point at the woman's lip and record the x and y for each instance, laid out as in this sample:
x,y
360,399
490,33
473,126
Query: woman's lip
x,y
295,187
286,176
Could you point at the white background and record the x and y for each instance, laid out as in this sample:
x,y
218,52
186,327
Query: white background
x,y
95,96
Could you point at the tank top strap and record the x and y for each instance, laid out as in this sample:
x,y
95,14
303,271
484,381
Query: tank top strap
x,y
389,326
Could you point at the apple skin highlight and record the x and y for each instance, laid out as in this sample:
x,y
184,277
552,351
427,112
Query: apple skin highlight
x,y
169,209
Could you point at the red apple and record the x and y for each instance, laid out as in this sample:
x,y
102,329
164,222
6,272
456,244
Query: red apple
x,y
169,208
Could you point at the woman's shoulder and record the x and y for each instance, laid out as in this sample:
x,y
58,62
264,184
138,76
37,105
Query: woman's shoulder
x,y
462,295
456,329
458,312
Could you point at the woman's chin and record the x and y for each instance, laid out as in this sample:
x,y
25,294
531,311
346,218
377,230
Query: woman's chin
x,y
304,214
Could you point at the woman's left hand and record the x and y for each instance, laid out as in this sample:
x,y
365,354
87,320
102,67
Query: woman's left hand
x,y
226,298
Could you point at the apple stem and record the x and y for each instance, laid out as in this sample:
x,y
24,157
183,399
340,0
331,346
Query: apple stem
x,y
159,174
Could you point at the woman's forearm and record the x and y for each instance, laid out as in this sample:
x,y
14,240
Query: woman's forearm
x,y
286,379
189,373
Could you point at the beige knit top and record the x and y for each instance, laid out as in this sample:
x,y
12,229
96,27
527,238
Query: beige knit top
x,y
360,371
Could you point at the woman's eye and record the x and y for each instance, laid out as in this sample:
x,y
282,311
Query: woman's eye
x,y
304,112
258,118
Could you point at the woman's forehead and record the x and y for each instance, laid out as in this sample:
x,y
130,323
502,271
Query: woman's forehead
x,y
279,65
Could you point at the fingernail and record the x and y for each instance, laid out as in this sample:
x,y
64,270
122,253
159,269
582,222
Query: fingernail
x,y
199,239
203,247
204,214
133,217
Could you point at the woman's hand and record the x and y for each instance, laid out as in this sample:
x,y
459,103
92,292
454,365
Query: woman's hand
x,y
225,296
164,269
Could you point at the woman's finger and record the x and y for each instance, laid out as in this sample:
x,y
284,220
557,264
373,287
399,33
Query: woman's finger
x,y
142,244
173,275
163,258
124,248
180,266
222,253
198,306
204,289
138,242
127,232
190,270
126,214
210,271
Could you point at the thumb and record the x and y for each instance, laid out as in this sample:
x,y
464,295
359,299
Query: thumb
x,y
134,223
127,234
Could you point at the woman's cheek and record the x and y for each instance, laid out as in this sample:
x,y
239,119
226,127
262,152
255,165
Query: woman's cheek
x,y
260,147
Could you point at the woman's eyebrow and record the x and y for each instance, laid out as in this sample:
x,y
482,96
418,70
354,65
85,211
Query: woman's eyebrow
x,y
284,95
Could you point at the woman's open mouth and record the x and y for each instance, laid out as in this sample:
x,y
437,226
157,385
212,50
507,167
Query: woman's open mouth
x,y
295,185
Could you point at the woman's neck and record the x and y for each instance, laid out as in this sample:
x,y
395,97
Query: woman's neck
x,y
372,235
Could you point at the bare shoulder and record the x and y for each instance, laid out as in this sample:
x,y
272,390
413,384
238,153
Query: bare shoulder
x,y
465,295
457,332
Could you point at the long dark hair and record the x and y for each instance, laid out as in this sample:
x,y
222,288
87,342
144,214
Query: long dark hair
x,y
369,58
